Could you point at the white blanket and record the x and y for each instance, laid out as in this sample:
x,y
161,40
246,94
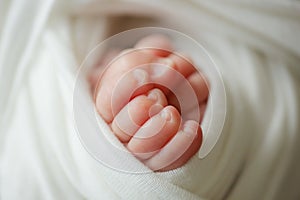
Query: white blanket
x,y
255,46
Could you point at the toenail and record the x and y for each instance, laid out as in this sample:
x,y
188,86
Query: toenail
x,y
166,115
140,75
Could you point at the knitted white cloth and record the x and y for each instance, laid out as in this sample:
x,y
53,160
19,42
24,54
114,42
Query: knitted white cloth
x,y
255,46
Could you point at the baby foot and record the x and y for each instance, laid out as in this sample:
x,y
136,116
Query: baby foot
x,y
145,115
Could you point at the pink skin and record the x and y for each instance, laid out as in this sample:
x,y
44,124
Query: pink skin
x,y
146,116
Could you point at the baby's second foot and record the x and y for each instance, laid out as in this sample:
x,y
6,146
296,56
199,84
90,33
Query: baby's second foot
x,y
144,114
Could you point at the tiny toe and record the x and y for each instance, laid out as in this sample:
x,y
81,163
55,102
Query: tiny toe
x,y
163,72
178,150
183,64
119,81
171,71
136,113
156,132
200,85
190,94
112,97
